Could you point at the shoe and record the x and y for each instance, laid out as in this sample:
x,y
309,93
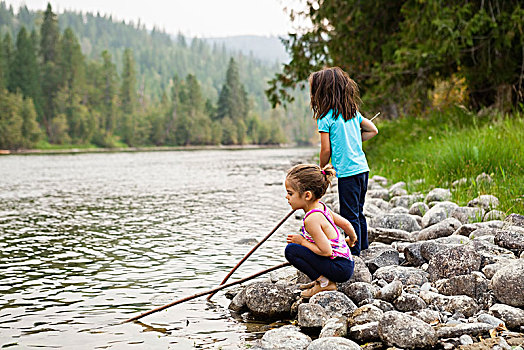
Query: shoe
x,y
307,285
332,286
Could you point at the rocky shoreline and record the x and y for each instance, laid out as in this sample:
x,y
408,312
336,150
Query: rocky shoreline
x,y
436,275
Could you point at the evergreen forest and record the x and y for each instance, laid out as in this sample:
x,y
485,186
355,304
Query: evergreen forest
x,y
86,80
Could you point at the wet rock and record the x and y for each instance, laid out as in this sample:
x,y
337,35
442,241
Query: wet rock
x,y
403,222
418,208
365,314
441,229
238,303
407,275
268,300
406,201
458,303
438,195
311,315
409,302
331,343
413,255
457,330
334,327
437,213
390,291
335,303
485,201
474,285
389,235
494,215
507,284
427,315
467,215
285,338
454,261
365,332
512,316
360,291
511,239
404,331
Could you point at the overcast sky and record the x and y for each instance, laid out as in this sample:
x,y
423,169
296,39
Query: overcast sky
x,y
202,18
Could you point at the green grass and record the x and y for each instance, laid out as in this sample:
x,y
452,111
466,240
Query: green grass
x,y
44,145
447,146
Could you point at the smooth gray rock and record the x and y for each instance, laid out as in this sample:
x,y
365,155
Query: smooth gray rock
x,y
285,338
460,182
385,257
438,195
418,208
465,340
361,272
311,315
468,215
268,300
285,276
494,215
331,343
492,320
365,314
508,285
485,201
406,201
483,231
403,222
457,303
390,292
474,285
238,303
409,302
512,316
247,241
457,330
399,210
365,332
443,228
390,235
360,291
380,203
334,327
398,189
467,229
381,180
335,303
407,275
378,193
404,331
437,213
370,210
454,261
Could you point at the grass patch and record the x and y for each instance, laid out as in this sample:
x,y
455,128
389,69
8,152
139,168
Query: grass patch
x,y
451,145
44,145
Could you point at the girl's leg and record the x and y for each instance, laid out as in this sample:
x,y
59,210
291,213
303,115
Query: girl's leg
x,y
314,266
364,244
349,199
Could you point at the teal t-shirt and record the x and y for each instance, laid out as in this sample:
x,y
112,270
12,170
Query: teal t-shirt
x,y
347,155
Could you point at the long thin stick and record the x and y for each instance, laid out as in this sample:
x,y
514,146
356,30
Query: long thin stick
x,y
376,115
252,250
214,290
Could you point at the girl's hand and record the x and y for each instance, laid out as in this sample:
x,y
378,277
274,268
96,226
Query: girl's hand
x,y
298,239
351,240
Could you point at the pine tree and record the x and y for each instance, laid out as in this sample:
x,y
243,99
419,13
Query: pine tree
x,y
51,82
109,81
6,57
128,98
30,130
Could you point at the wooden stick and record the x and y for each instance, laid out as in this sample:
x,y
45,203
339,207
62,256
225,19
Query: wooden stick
x,y
214,290
251,251
376,115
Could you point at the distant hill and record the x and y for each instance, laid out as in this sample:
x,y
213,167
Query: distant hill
x,y
267,48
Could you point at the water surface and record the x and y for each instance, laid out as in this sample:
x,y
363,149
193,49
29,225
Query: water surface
x,y
89,240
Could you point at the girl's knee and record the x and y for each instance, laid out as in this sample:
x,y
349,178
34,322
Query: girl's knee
x,y
291,250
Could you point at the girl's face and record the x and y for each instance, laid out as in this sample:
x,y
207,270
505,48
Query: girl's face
x,y
294,198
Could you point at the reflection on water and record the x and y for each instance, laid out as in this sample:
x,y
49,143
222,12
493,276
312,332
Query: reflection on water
x,y
87,241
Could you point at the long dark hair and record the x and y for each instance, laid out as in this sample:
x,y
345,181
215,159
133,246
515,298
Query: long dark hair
x,y
333,89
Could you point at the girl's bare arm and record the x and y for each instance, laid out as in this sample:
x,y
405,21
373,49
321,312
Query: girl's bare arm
x,y
369,130
325,149
346,226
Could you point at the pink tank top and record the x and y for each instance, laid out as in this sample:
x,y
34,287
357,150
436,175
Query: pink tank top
x,y
338,244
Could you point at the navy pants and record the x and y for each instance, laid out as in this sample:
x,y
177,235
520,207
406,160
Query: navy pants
x,y
352,193
313,265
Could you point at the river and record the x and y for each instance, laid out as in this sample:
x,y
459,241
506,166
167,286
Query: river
x,y
89,240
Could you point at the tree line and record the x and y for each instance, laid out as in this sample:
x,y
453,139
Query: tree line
x,y
405,54
50,91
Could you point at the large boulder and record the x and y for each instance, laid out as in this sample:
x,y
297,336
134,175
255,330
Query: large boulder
x,y
404,331
511,238
409,302
507,284
457,303
467,229
364,332
334,327
474,285
438,213
412,254
377,257
365,314
331,343
268,300
285,338
390,291
311,315
467,215
403,222
512,316
359,291
454,261
390,235
514,220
